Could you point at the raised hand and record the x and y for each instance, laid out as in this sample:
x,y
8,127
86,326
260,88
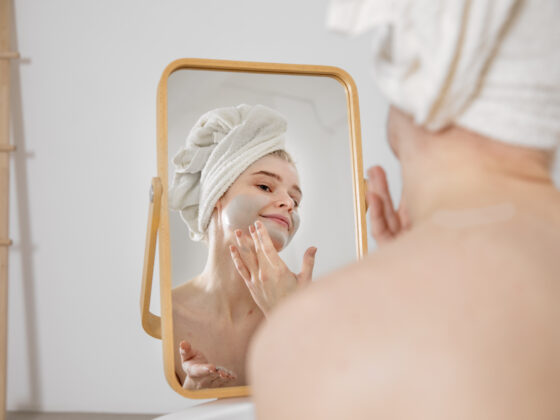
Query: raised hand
x,y
267,277
200,373
386,223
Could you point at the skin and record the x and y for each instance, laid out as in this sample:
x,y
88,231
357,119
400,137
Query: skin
x,y
216,314
267,277
454,316
243,210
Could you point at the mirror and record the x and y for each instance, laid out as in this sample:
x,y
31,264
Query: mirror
x,y
209,312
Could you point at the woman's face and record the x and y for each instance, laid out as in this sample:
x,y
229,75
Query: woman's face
x,y
268,191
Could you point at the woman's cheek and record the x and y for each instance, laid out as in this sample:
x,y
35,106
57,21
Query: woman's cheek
x,y
296,220
242,211
281,237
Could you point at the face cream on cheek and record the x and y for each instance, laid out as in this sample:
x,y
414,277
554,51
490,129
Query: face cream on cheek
x,y
278,233
295,227
244,210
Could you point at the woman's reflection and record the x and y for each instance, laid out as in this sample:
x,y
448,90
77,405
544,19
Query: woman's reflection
x,y
237,190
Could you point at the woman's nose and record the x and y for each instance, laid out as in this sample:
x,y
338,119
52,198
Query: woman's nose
x,y
285,201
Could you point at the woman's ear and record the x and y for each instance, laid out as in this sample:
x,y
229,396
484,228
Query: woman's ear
x,y
217,212
214,223
218,208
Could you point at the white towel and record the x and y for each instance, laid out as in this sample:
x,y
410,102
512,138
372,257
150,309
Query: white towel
x,y
221,145
492,66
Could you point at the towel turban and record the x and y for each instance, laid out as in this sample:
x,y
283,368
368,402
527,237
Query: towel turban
x,y
491,66
221,145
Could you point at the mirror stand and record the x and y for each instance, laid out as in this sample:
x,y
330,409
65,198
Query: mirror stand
x,y
150,322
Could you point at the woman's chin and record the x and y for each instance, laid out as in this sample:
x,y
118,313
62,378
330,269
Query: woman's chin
x,y
278,247
279,240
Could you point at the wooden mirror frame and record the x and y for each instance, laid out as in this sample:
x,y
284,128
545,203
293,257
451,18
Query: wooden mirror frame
x,y
158,218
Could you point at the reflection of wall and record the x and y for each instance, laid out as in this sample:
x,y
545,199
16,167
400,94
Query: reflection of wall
x,y
86,154
317,138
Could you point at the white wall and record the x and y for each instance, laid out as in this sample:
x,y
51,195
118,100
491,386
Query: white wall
x,y
84,124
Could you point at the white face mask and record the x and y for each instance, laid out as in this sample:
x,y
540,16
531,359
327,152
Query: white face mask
x,y
243,210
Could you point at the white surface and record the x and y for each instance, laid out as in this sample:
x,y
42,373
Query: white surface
x,y
225,409
84,98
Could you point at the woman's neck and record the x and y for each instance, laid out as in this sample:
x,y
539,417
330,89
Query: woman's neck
x,y
459,170
225,289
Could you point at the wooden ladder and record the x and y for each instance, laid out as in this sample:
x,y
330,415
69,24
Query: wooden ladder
x,y
5,148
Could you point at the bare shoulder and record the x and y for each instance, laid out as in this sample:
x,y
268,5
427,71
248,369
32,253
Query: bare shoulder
x,y
435,321
183,295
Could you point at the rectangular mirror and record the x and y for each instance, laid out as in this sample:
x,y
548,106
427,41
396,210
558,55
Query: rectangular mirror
x,y
308,194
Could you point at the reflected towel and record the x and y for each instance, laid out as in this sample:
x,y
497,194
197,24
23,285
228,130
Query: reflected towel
x,y
221,145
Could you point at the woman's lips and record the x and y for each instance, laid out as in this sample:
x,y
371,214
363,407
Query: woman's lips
x,y
278,219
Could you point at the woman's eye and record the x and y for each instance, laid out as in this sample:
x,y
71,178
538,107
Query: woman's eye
x,y
264,187
296,203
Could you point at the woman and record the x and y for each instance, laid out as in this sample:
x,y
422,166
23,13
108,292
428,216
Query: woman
x,y
238,190
456,315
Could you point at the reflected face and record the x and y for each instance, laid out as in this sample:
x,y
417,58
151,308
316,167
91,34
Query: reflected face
x,y
268,191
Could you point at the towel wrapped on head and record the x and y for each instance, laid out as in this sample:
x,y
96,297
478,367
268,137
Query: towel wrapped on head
x,y
221,145
491,66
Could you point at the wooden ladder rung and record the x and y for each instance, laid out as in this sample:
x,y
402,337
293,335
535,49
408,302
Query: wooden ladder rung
x,y
9,55
5,242
7,148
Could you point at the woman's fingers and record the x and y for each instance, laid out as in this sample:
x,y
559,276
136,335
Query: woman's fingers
x,y
186,351
200,373
193,362
239,264
385,217
403,214
225,373
206,381
196,370
217,382
379,228
247,253
222,378
265,243
307,266
262,260
378,185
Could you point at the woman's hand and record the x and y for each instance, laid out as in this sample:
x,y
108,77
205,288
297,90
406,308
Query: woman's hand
x,y
200,373
386,223
267,277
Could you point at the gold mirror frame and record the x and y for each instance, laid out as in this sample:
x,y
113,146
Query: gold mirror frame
x,y
158,217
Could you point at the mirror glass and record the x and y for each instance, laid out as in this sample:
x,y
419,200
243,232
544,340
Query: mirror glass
x,y
211,316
